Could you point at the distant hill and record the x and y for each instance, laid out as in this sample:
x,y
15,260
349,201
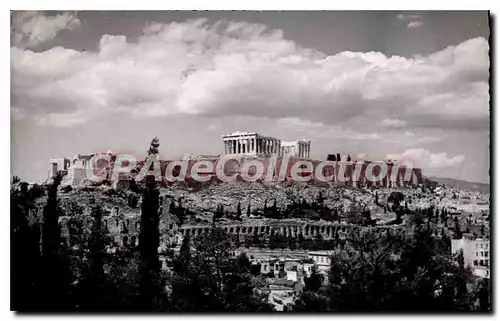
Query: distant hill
x,y
465,185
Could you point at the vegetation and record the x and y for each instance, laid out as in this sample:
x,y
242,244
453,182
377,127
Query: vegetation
x,y
390,271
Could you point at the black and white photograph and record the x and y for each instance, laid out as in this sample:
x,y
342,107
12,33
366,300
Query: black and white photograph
x,y
250,161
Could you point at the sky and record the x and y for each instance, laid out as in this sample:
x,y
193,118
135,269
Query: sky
x,y
385,84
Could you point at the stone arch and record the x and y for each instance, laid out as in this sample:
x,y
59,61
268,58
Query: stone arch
x,y
243,230
160,209
306,230
250,230
323,228
262,229
328,230
133,241
231,229
237,229
125,241
268,229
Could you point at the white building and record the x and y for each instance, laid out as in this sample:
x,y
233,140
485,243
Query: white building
x,y
299,148
244,143
58,164
476,253
322,260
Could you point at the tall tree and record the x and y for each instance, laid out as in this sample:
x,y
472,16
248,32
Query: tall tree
x,y
150,287
94,287
314,281
238,211
25,246
55,277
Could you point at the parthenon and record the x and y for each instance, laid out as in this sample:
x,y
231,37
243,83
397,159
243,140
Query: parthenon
x,y
244,143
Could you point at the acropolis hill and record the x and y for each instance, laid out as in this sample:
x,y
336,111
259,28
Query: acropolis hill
x,y
277,158
245,209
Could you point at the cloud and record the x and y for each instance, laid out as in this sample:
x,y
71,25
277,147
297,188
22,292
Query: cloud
x,y
245,69
425,159
31,28
318,130
415,24
213,127
393,123
408,16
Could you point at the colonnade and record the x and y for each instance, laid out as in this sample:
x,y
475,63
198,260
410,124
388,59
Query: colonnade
x,y
251,144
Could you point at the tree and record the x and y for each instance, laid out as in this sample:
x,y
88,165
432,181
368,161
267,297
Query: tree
x,y
154,146
314,281
55,275
150,286
219,212
182,262
25,246
243,263
94,287
406,275
214,282
238,211
484,295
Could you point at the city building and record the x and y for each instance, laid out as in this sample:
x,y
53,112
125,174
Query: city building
x,y
476,253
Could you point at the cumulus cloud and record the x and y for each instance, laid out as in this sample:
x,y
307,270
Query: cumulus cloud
x,y
244,69
318,130
425,159
415,24
407,16
30,28
393,123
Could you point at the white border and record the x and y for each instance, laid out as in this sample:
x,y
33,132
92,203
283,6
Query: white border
x,y
208,5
